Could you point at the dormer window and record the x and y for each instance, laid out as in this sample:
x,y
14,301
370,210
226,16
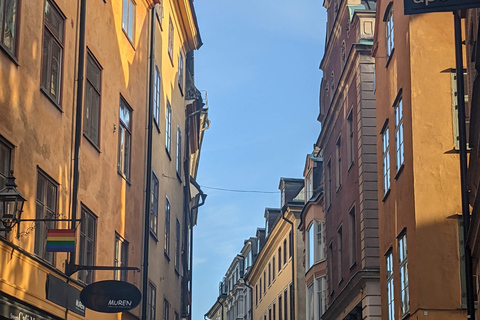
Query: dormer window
x,y
283,197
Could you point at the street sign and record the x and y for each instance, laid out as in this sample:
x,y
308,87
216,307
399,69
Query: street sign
x,y
425,6
110,296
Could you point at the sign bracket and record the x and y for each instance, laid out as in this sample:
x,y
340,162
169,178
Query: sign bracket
x,y
71,269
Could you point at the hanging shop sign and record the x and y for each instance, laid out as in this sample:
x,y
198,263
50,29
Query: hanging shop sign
x,y
14,309
64,294
425,6
110,296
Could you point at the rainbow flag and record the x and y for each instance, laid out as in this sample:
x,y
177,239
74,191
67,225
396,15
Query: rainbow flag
x,y
60,240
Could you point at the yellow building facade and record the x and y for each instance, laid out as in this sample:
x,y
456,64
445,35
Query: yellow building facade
x,y
95,167
418,166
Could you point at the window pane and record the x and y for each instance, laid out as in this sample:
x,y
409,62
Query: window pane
x,y
93,73
10,23
126,170
55,70
125,114
54,21
125,14
131,20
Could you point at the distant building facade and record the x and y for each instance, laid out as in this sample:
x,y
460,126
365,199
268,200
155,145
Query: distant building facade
x,y
418,165
312,226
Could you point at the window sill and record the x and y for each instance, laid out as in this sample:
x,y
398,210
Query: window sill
x,y
399,171
44,91
166,256
385,196
153,235
124,177
389,58
92,143
9,54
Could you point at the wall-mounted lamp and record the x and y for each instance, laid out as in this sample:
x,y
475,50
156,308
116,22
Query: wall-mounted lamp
x,y
11,204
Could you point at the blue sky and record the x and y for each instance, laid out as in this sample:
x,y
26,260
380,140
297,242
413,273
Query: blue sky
x,y
259,65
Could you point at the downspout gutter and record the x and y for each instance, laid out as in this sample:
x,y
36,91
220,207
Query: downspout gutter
x,y
148,175
203,196
292,294
78,118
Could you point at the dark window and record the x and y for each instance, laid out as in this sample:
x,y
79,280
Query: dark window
x,y
290,244
177,245
46,208
280,307
339,253
256,295
264,282
284,251
180,72
269,273
279,258
167,227
273,268
91,117
157,97
121,257
151,301
154,205
170,39
168,127
52,51
338,181
353,237
328,185
6,151
88,230
177,316
8,24
285,304
179,152
166,309
124,139
128,19
350,140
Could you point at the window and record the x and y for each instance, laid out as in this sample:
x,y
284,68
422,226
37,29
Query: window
x,y
128,19
273,268
121,258
310,303
338,181
309,185
52,51
344,53
386,160
5,161
166,309
309,250
180,72
455,110
91,115
168,128
321,284
177,316
399,133
273,311
46,208
279,258
330,267
320,246
157,97
290,244
353,237
280,307
284,251
167,227
260,288
124,139
269,273
170,39
285,304
179,152
350,140
154,205
177,245
390,291
88,230
403,266
390,34
256,295
264,281
151,301
328,187
8,25
339,254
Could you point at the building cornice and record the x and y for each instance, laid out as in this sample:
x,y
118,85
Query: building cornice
x,y
188,22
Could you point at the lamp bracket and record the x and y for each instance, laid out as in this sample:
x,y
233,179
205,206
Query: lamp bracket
x,y
72,268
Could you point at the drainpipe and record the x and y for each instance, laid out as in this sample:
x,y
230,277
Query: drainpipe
x,y
203,196
148,176
292,293
78,118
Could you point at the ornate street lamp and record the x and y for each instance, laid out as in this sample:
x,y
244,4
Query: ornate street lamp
x,y
11,204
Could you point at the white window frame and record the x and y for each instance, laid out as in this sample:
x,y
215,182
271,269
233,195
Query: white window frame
x,y
390,36
386,159
403,269
168,128
399,136
390,286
